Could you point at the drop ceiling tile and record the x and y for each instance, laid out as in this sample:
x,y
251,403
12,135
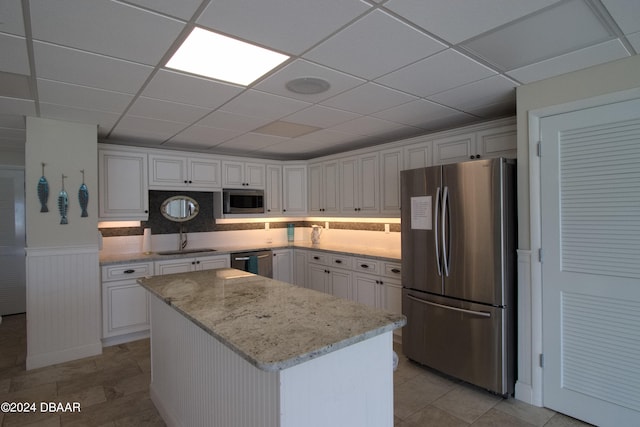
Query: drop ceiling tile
x,y
165,110
416,113
12,21
451,122
104,120
260,104
15,86
289,26
368,125
374,45
143,127
251,142
626,13
445,70
583,58
555,31
202,136
455,21
339,82
328,138
82,97
492,90
178,87
183,9
317,115
288,149
14,54
20,107
235,122
88,69
367,99
106,27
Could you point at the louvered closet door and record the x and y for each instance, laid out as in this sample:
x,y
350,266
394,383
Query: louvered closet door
x,y
590,192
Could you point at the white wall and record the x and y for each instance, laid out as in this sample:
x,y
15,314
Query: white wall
x,y
63,276
66,148
580,86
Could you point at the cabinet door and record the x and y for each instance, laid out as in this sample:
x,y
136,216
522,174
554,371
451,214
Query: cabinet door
x,y
295,189
123,191
349,185
316,199
300,268
283,265
255,175
167,172
368,290
454,149
392,298
418,155
273,191
171,266
498,142
331,188
341,284
232,174
390,167
368,189
211,262
125,308
317,278
204,174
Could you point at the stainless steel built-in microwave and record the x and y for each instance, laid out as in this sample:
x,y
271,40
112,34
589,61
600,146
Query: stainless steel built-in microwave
x,y
242,201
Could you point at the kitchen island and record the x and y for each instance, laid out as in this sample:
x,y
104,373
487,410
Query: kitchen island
x,y
229,348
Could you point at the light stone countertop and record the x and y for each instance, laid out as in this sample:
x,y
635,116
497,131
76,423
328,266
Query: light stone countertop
x,y
271,324
353,250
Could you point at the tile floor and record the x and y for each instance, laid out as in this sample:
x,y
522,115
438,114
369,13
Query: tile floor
x,y
113,390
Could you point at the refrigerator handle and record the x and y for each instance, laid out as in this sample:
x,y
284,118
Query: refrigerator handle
x,y
448,307
445,223
436,237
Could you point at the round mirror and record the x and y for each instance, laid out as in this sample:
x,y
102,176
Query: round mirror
x,y
179,208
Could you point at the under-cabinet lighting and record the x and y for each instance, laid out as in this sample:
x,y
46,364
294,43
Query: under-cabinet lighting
x,y
118,224
223,58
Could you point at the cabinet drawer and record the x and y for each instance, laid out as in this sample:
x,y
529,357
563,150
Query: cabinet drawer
x,y
341,261
126,271
318,258
367,265
392,269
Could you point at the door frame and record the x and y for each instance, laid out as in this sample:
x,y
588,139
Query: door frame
x,y
531,302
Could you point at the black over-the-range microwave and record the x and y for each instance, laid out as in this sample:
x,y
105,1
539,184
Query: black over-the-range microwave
x,y
242,201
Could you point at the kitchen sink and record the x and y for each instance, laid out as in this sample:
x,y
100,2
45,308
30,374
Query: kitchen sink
x,y
185,251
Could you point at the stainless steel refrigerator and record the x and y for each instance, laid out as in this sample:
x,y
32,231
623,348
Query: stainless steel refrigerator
x,y
459,270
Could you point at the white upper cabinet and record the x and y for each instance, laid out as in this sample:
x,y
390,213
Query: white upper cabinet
x,y
273,190
491,142
170,172
418,155
243,175
323,188
294,189
498,142
391,163
123,191
360,181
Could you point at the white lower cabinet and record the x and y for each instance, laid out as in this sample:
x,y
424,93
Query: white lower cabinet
x,y
185,265
330,273
125,304
283,265
300,267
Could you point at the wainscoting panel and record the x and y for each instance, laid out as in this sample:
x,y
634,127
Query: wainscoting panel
x,y
63,304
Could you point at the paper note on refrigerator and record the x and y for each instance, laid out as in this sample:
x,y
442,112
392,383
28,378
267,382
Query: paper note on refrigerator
x,y
421,213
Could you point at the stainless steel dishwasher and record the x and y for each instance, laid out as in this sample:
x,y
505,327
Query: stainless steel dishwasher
x,y
258,262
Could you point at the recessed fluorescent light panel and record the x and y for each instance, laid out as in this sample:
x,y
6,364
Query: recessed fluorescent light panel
x,y
213,55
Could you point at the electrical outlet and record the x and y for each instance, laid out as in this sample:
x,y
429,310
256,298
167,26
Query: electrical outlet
x,y
266,226
326,225
386,228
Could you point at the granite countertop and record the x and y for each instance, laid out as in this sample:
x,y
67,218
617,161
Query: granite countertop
x,y
353,250
271,324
